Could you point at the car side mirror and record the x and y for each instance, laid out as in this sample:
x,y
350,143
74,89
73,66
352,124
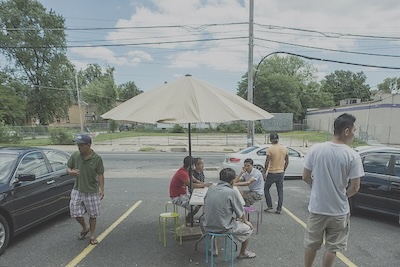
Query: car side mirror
x,y
26,177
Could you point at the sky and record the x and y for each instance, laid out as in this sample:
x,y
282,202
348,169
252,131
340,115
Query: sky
x,y
151,42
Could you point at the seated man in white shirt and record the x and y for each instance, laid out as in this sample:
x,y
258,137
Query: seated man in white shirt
x,y
253,178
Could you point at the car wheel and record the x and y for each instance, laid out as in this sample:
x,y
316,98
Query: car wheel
x,y
4,234
259,167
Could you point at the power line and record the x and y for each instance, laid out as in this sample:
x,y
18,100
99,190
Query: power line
x,y
328,49
329,34
187,27
130,44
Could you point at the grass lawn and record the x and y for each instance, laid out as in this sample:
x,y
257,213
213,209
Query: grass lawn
x,y
311,136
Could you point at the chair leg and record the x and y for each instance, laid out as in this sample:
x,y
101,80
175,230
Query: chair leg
x,y
165,232
159,229
212,251
207,247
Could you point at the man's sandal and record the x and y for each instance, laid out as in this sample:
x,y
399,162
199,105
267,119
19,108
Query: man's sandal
x,y
83,234
247,255
93,241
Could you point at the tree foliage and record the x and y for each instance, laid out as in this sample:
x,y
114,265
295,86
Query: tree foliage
x,y
127,90
100,89
12,103
346,84
281,85
389,85
33,41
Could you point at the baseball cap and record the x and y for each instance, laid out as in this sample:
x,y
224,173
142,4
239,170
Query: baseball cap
x,y
274,137
83,139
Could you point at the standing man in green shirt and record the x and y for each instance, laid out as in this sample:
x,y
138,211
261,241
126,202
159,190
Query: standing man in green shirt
x,y
88,189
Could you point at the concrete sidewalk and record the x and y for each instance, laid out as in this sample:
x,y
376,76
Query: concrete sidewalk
x,y
161,144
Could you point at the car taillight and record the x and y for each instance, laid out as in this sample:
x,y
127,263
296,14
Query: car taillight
x,y
234,160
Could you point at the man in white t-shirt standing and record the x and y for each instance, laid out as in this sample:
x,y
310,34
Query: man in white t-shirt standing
x,y
253,178
333,171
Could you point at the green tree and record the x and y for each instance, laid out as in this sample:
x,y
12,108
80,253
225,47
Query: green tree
x,y
101,91
127,90
312,97
33,41
389,85
346,84
279,85
12,104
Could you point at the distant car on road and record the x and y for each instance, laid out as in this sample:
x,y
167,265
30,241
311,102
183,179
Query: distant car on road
x,y
126,127
258,154
34,186
380,187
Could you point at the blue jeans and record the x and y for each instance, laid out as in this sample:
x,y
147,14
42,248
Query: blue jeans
x,y
276,178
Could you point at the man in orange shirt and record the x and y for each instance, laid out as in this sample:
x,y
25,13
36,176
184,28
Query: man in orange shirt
x,y
275,165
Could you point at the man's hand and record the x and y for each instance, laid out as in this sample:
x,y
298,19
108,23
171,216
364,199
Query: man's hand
x,y
101,193
249,224
73,172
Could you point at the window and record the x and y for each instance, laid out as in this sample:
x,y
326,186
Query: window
x,y
397,166
376,163
293,153
262,152
33,163
58,160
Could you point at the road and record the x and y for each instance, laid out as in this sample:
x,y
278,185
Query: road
x,y
131,239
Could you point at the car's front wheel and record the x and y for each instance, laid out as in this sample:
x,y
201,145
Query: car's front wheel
x,y
259,167
4,234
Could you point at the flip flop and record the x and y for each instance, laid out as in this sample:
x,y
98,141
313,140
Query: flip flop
x,y
247,255
93,241
83,234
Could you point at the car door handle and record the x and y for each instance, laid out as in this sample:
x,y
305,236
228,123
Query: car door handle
x,y
395,184
50,182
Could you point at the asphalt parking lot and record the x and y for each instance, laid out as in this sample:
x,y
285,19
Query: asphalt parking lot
x,y
128,234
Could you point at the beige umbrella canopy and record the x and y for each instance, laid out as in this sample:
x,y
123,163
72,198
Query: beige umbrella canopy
x,y
186,100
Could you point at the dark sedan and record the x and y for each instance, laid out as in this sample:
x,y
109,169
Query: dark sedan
x,y
34,186
380,187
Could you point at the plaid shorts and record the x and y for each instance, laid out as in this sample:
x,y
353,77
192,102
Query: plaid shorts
x,y
182,201
81,203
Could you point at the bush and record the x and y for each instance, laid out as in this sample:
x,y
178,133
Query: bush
x,y
177,129
8,135
235,127
112,126
61,136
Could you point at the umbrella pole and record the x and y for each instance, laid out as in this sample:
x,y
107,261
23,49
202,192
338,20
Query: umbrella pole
x,y
190,173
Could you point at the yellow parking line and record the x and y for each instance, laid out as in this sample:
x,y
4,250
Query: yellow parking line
x,y
341,257
89,248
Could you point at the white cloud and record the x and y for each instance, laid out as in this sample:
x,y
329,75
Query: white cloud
x,y
108,56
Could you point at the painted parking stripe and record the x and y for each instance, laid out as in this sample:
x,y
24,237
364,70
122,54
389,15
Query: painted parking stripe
x,y
103,235
339,255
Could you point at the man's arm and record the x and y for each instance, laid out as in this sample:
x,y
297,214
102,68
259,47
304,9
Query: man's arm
x,y
286,161
197,185
101,184
244,183
237,178
307,176
353,188
266,165
244,220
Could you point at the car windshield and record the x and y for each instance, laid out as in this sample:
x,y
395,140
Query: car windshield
x,y
248,150
7,162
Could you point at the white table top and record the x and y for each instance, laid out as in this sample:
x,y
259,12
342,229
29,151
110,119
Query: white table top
x,y
197,198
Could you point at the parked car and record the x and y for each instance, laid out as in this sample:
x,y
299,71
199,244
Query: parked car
x,y
126,127
34,187
258,154
380,187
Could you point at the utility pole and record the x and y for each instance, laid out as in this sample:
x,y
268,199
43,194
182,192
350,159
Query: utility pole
x,y
250,124
79,101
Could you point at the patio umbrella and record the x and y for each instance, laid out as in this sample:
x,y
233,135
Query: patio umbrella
x,y
186,100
